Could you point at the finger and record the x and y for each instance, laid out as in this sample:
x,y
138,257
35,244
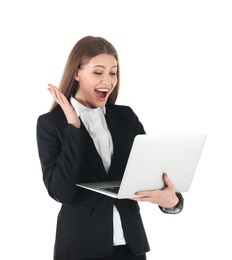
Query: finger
x,y
167,181
54,89
57,95
142,199
51,86
54,93
146,194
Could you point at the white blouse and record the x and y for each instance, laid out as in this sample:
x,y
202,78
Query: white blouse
x,y
95,123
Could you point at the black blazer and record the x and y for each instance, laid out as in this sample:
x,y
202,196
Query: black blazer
x,y
68,156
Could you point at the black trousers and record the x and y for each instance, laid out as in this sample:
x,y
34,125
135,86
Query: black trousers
x,y
123,253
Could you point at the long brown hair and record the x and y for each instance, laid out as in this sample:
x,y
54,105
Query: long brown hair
x,y
84,50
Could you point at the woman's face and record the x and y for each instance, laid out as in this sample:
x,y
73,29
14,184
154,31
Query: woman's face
x,y
97,79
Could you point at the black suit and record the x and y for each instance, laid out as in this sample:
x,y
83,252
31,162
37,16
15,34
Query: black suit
x,y
68,156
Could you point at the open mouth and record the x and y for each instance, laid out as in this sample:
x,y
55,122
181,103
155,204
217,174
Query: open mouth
x,y
101,93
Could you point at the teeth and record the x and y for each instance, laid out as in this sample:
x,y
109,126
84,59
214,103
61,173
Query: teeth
x,y
103,89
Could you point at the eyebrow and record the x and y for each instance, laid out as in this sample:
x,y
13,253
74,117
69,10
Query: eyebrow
x,y
105,67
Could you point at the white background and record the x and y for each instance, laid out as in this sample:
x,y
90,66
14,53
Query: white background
x,y
176,64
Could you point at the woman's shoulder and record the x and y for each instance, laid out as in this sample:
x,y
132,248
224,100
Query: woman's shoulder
x,y
122,109
56,114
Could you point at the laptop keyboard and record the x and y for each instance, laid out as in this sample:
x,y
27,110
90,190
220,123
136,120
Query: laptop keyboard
x,y
111,189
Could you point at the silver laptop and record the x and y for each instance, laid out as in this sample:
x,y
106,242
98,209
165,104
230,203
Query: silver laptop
x,y
151,155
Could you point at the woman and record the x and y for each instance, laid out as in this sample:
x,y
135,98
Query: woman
x,y
85,137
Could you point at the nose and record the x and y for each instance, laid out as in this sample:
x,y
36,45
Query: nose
x,y
106,80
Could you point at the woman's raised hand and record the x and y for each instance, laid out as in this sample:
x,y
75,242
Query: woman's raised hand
x,y
69,112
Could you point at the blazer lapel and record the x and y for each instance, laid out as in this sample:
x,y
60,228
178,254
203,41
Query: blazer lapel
x,y
122,141
117,128
93,156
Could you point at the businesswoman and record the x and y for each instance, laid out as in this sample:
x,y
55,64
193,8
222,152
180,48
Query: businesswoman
x,y
85,137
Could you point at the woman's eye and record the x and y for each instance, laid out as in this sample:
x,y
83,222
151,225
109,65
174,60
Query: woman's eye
x,y
100,73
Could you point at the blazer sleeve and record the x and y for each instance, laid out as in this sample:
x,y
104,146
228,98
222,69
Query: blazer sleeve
x,y
176,209
139,129
60,153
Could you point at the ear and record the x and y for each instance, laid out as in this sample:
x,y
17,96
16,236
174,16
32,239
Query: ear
x,y
76,77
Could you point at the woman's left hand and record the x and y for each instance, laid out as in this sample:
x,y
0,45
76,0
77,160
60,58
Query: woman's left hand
x,y
165,198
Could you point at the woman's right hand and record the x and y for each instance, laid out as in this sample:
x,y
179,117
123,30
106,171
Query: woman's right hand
x,y
69,112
